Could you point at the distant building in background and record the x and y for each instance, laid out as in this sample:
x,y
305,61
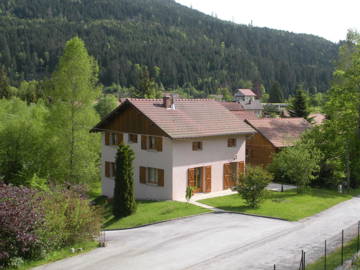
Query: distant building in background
x,y
247,98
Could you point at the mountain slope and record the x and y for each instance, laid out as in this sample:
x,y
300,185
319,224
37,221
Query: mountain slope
x,y
188,46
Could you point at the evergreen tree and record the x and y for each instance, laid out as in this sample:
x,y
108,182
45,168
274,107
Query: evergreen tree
x,y
298,106
74,89
106,104
276,93
124,200
4,84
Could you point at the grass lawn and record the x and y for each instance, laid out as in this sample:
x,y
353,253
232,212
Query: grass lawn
x,y
150,212
286,205
334,259
58,255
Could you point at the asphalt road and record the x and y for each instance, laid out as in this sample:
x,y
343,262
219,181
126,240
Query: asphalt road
x,y
217,241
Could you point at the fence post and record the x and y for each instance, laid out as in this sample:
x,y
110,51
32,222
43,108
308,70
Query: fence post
x,y
274,267
325,257
358,237
304,261
342,247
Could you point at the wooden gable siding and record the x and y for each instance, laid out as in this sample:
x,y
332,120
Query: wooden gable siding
x,y
259,151
131,120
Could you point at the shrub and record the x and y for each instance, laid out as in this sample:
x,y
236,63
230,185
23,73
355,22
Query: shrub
x,y
34,222
124,199
21,215
189,192
69,219
252,185
300,163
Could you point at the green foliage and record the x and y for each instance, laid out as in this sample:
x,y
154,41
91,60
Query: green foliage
x,y
124,198
106,104
69,219
4,84
271,111
186,45
300,163
23,148
74,89
276,94
298,106
252,185
189,192
38,183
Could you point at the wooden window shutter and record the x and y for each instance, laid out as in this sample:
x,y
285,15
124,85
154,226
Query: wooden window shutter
x,y
208,179
227,175
191,177
158,144
241,168
120,138
161,180
142,175
107,138
143,142
107,169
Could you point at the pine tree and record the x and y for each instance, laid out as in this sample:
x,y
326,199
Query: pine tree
x,y
276,94
298,106
4,84
124,201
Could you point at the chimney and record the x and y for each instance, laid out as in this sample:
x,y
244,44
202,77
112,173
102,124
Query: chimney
x,y
167,102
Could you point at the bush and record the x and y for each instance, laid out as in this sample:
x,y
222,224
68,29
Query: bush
x,y
69,219
252,185
34,222
21,214
300,163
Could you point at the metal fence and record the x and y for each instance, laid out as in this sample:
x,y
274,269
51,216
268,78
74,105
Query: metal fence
x,y
323,250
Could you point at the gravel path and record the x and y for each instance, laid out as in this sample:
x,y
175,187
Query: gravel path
x,y
218,241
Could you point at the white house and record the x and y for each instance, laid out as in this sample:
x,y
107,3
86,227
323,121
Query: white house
x,y
177,142
247,99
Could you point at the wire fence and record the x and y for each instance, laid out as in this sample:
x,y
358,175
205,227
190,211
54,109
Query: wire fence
x,y
333,251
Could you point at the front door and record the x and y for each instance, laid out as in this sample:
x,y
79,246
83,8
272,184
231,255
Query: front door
x,y
200,179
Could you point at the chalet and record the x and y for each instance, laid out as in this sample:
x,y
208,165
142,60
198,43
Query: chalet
x,y
272,135
177,143
247,98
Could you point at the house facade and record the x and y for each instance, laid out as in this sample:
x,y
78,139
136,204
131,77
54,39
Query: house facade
x,y
177,143
247,98
273,134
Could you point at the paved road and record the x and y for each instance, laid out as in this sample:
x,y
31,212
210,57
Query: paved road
x,y
217,241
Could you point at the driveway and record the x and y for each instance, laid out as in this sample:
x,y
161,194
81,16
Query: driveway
x,y
217,241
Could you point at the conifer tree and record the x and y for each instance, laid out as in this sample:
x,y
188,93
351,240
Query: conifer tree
x,y
124,200
73,91
276,93
298,106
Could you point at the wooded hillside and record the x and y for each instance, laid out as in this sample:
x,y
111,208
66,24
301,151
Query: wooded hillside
x,y
190,48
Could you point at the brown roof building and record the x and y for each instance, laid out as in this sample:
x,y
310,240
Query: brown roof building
x,y
273,134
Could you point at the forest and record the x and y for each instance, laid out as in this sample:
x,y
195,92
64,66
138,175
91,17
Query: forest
x,y
176,46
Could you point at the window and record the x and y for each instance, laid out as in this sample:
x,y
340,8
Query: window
x,y
198,177
152,176
197,146
231,142
152,144
112,138
110,169
133,138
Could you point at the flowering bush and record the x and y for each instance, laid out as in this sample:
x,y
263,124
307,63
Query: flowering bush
x,y
34,222
21,214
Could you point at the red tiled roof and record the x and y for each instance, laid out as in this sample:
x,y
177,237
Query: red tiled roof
x,y
246,92
232,106
281,132
245,115
318,118
190,118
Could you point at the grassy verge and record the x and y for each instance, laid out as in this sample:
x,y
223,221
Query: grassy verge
x,y
151,212
57,255
334,259
286,205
